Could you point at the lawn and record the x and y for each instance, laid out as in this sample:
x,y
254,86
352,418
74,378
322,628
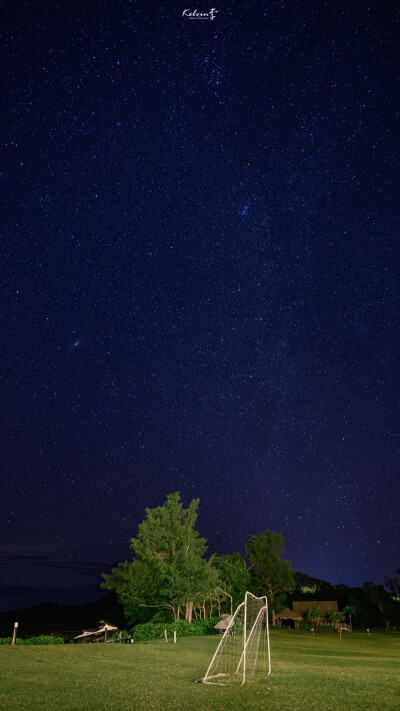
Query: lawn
x,y
359,672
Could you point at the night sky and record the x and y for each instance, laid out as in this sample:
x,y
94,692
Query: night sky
x,y
200,283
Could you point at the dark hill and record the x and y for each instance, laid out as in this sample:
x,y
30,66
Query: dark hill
x,y
64,620
305,580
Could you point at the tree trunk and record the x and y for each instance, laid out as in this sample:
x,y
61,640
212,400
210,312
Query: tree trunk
x,y
189,611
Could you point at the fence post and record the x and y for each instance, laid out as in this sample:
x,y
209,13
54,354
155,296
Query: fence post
x,y
165,635
174,636
14,633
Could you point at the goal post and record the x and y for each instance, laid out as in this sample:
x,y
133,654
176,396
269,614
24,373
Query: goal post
x,y
244,650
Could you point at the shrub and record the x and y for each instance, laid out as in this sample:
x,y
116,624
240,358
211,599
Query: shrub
x,y
155,630
42,639
162,616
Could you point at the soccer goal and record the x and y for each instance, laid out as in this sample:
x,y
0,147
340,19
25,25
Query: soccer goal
x,y
244,648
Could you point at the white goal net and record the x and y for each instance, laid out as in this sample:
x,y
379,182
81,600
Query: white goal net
x,y
244,650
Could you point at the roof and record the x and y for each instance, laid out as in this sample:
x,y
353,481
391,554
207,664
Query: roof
x,y
326,606
288,614
223,622
92,633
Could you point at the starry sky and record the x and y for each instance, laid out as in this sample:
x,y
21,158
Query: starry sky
x,y
200,283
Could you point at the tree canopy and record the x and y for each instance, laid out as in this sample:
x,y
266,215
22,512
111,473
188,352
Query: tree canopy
x,y
168,569
233,575
271,574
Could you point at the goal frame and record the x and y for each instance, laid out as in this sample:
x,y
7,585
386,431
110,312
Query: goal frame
x,y
247,638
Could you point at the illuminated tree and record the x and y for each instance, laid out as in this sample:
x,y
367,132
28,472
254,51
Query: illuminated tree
x,y
168,569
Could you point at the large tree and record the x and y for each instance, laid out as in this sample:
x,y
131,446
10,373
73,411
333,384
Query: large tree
x,y
393,585
233,575
381,600
168,569
271,574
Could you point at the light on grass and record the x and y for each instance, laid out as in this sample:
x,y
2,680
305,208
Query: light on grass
x,y
244,648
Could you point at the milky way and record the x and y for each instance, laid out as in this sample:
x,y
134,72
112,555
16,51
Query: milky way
x,y
200,272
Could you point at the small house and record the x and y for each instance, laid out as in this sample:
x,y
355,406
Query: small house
x,y
287,618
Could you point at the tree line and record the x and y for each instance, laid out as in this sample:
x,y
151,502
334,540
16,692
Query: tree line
x,y
169,571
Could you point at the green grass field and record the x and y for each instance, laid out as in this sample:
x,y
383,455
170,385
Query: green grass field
x,y
357,673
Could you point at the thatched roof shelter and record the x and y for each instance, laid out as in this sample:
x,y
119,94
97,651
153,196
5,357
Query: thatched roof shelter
x,y
301,607
287,615
102,630
223,623
300,610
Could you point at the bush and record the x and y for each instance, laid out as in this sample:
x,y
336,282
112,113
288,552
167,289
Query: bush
x,y
42,639
155,630
162,616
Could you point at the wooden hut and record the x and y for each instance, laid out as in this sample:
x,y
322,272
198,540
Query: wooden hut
x,y
302,607
292,618
288,618
222,623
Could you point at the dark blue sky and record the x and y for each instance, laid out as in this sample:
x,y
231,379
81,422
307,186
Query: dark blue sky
x,y
200,280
